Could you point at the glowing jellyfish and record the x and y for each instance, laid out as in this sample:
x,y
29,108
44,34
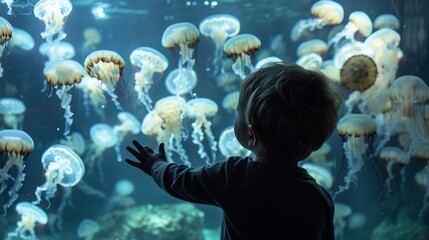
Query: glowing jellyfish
x,y
62,167
53,13
324,13
386,21
87,229
319,156
62,75
266,60
108,67
358,73
181,81
201,109
15,147
346,51
393,156
219,27
311,61
92,38
76,143
93,95
148,61
6,31
22,39
12,110
129,124
331,71
317,46
408,95
321,174
184,36
172,110
153,125
355,129
30,215
230,101
103,137
241,48
422,179
228,82
342,212
229,145
57,51
359,22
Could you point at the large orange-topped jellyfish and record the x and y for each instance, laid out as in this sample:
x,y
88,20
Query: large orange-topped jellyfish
x,y
324,13
219,27
359,22
63,75
53,13
185,36
148,61
355,129
5,36
108,67
201,109
358,73
317,46
241,48
15,147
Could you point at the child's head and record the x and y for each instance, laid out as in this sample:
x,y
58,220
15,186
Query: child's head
x,y
291,110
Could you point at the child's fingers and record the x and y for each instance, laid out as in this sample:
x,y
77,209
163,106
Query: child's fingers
x,y
132,163
138,154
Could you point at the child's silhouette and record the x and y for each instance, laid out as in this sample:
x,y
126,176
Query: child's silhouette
x,y
284,113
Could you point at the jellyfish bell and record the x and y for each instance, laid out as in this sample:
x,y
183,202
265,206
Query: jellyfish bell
x,y
103,135
321,174
181,81
229,145
22,39
92,37
271,59
30,215
76,143
129,124
230,101
12,110
312,61
317,46
393,156
57,51
6,31
359,73
53,13
87,228
386,21
241,48
124,187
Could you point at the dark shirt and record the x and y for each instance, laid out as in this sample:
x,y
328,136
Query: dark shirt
x,y
259,201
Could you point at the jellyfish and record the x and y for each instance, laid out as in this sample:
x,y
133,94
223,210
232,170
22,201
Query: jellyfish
x,y
266,60
230,101
129,124
228,81
219,27
229,145
172,110
180,81
342,212
6,31
93,95
153,125
87,229
185,36
30,215
15,147
355,129
241,48
311,61
422,179
331,71
62,167
57,51
103,137
319,156
123,189
324,13
201,109
53,13
108,67
148,61
346,51
317,46
76,143
62,75
13,110
408,94
21,39
359,22
92,37
393,156
386,21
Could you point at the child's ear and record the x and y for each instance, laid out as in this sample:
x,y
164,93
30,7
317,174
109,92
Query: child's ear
x,y
253,135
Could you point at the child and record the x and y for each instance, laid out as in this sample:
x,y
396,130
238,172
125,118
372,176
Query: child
x,y
284,113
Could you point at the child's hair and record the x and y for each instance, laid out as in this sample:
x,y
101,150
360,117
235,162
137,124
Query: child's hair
x,y
295,110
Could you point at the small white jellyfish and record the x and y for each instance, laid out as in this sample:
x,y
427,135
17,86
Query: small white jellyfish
x,y
93,95
76,143
53,13
62,167
241,48
393,156
108,67
342,212
30,215
180,81
148,61
386,21
185,37
359,22
324,13
129,124
62,75
57,51
321,174
311,61
230,101
172,110
124,187
319,156
87,229
229,145
317,46
153,125
355,129
21,39
92,37
219,27
12,110
228,82
271,59
201,109
103,137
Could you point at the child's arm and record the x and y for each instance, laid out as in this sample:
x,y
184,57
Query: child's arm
x,y
146,156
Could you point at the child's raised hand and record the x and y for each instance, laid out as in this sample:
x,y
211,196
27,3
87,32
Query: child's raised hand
x,y
146,156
